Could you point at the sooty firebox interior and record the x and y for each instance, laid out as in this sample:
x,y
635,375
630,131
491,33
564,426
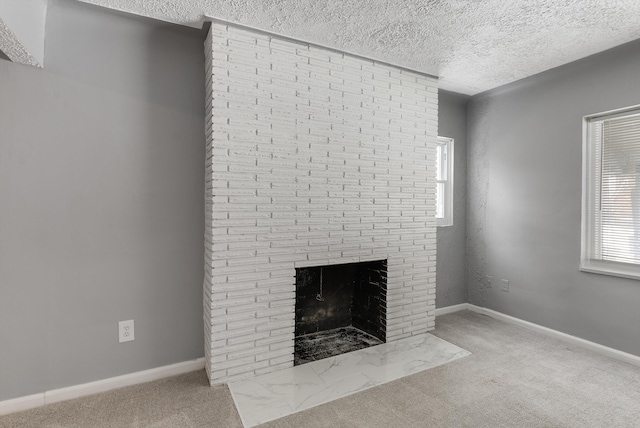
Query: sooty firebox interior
x,y
339,308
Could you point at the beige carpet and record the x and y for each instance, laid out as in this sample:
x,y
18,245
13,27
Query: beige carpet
x,y
515,378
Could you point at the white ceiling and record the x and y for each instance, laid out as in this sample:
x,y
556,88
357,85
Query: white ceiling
x,y
472,45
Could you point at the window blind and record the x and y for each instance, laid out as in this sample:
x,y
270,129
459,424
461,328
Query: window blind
x,y
619,212
614,178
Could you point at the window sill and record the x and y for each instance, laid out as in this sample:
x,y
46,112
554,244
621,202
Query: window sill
x,y
621,270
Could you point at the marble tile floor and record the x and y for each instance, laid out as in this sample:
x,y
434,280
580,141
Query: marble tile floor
x,y
325,344
274,395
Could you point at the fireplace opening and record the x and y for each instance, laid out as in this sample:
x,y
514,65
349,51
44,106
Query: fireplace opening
x,y
339,308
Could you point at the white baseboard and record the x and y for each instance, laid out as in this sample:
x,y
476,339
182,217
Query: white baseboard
x,y
451,309
587,344
55,395
21,403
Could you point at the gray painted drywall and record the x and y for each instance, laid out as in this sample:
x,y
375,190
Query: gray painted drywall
x,y
101,206
524,199
450,271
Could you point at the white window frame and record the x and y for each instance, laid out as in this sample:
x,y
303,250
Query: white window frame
x,y
590,260
445,205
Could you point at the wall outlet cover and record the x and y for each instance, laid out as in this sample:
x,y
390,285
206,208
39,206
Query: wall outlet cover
x,y
125,331
505,285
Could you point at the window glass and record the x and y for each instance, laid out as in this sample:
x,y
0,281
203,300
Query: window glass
x,y
611,193
444,180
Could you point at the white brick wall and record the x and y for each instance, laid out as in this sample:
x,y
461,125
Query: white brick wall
x,y
314,157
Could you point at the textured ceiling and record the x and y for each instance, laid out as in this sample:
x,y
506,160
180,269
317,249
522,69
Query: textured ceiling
x,y
13,48
472,45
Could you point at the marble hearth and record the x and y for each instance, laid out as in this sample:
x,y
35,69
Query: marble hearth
x,y
274,395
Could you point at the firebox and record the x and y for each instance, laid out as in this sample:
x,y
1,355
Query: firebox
x,y
339,308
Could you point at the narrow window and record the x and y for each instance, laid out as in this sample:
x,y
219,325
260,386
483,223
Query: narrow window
x,y
444,180
611,193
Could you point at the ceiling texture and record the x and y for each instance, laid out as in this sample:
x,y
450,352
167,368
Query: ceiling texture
x,y
472,45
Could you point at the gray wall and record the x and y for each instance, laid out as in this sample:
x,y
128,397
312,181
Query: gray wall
x,y
101,201
450,271
524,200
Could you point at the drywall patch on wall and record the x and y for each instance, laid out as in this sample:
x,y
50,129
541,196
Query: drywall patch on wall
x,y
477,196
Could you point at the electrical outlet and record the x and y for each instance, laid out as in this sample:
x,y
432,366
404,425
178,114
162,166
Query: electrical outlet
x,y
488,279
505,285
125,331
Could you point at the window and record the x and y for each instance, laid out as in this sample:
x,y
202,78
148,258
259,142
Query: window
x,y
444,180
611,193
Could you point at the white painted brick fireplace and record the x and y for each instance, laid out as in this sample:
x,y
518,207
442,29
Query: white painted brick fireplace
x,y
314,157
